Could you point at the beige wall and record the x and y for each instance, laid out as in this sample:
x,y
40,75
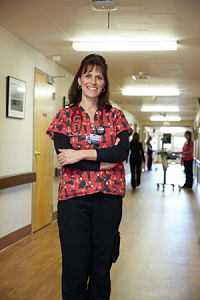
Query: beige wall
x,y
19,60
130,118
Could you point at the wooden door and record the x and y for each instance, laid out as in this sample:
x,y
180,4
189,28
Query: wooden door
x,y
42,193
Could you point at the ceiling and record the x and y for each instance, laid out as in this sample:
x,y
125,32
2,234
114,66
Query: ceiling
x,y
51,26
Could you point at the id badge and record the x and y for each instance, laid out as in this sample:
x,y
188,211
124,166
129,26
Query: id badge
x,y
93,139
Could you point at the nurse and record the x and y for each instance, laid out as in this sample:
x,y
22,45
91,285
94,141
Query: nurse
x,y
91,140
187,160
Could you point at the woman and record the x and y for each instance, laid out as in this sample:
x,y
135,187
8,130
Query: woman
x,y
187,159
149,153
136,158
91,140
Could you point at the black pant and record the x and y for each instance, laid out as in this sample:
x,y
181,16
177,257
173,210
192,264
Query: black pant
x,y
135,170
88,228
149,161
188,164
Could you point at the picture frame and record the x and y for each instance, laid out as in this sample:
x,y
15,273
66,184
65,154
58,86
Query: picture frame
x,y
16,97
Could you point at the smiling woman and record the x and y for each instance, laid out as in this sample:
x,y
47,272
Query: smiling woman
x,y
91,140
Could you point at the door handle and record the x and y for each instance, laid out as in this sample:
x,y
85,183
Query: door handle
x,y
37,153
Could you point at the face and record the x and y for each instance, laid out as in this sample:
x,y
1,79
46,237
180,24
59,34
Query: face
x,y
92,83
187,136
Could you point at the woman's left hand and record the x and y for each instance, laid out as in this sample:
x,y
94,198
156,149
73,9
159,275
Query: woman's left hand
x,y
69,156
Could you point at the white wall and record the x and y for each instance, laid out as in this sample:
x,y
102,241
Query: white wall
x,y
19,60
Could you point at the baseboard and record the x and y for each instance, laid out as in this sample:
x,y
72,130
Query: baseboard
x,y
15,236
54,215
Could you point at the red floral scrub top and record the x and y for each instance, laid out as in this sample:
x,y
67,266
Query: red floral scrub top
x,y
74,182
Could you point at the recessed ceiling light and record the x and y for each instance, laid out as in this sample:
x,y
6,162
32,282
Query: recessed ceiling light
x,y
141,76
134,77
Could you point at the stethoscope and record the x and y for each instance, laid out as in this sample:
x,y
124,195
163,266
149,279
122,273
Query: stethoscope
x,y
100,130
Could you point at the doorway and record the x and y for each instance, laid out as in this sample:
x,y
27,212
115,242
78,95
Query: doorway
x,y
43,161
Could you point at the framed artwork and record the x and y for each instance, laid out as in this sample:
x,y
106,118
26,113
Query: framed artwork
x,y
16,97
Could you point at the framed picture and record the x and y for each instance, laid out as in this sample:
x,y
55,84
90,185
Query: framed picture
x,y
16,96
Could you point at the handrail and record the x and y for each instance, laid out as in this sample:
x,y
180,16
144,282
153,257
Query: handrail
x,y
17,179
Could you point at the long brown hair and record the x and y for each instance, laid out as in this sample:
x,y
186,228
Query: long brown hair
x,y
189,134
90,61
149,139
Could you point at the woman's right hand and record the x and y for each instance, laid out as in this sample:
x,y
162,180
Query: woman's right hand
x,y
107,165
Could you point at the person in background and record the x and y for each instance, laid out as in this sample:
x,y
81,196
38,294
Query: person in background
x,y
149,153
91,139
136,159
187,160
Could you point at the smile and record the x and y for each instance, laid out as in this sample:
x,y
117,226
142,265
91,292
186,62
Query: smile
x,y
92,88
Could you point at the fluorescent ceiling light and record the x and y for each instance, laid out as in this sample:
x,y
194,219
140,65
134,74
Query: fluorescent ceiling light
x,y
165,118
150,91
125,46
160,108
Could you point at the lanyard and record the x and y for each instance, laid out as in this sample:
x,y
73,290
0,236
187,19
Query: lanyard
x,y
76,111
99,130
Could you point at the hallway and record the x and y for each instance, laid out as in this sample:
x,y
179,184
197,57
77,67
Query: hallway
x,y
160,254
160,257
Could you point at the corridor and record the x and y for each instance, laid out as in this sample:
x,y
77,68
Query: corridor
x,y
160,253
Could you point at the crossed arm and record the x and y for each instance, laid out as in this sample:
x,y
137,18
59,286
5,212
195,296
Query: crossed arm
x,y
188,152
99,159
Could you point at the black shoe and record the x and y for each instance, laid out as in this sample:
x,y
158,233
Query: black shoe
x,y
184,186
